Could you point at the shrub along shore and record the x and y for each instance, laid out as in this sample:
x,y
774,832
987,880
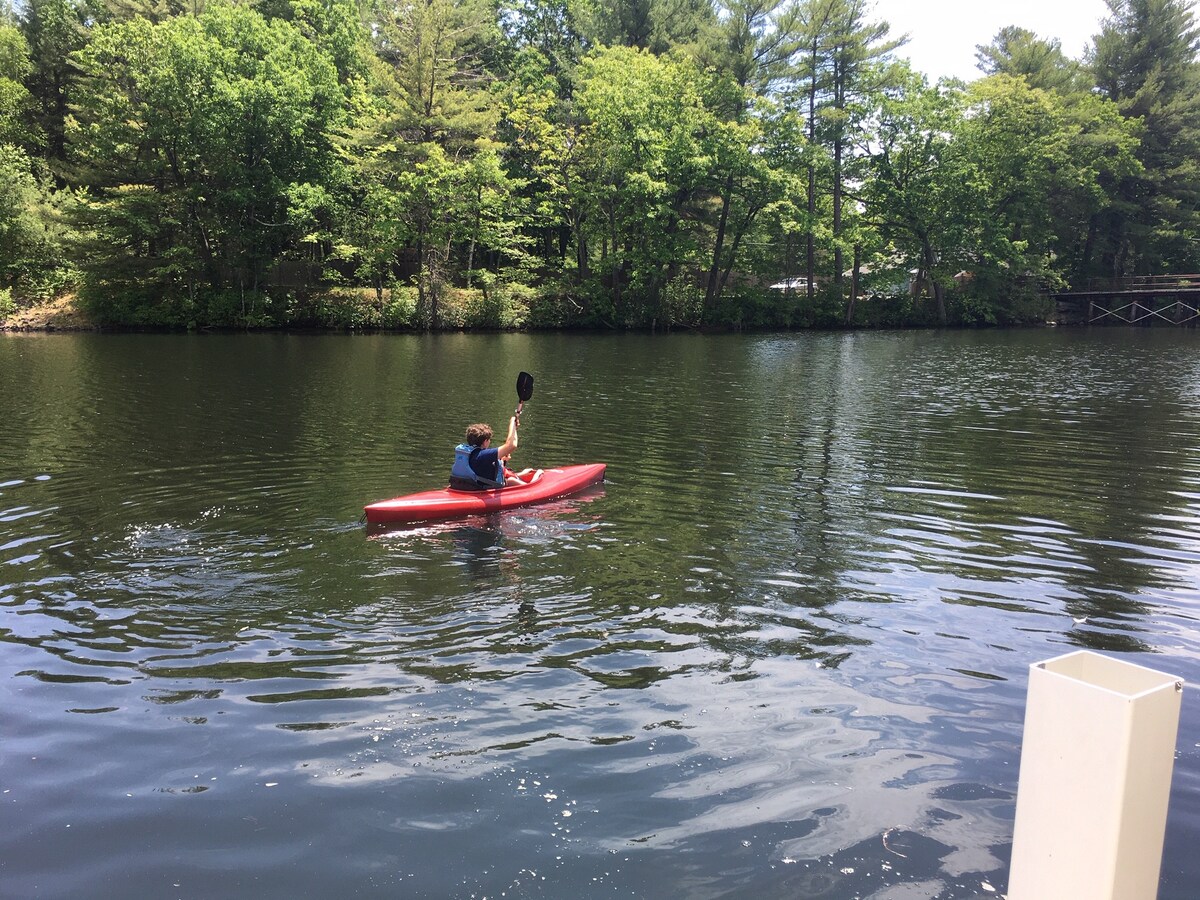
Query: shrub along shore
x,y
363,310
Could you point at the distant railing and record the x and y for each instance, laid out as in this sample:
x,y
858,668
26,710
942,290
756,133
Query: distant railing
x,y
1177,313
1138,283
1132,300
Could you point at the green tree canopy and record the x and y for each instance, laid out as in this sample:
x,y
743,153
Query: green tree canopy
x,y
16,103
620,163
643,156
31,236
204,137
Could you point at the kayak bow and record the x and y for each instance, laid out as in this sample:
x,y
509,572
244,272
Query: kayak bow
x,y
448,503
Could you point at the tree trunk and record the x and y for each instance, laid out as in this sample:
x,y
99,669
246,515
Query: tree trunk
x,y
738,234
1089,244
838,261
928,261
854,284
615,264
581,257
710,292
665,275
474,233
422,294
811,263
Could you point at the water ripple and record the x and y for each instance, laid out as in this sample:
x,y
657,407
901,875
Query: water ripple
x,y
783,647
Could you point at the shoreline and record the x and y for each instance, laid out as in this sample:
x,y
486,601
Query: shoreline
x,y
64,315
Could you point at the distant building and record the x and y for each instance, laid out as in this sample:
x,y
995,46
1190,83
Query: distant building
x,y
793,284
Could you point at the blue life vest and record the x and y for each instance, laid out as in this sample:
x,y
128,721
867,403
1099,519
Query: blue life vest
x,y
463,477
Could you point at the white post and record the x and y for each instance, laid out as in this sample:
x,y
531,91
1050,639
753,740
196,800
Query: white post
x,y
1095,779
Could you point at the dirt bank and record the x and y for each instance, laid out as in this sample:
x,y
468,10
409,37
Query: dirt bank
x,y
59,314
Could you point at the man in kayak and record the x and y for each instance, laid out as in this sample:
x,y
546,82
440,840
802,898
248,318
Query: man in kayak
x,y
478,465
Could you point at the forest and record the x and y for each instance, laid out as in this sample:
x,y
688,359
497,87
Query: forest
x,y
609,164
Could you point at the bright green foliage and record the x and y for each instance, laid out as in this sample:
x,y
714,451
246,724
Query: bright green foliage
x,y
1104,156
642,157
857,50
992,182
16,103
756,42
31,238
1017,147
335,28
483,213
438,76
1016,142
152,10
1086,200
449,208
412,157
541,146
21,235
919,193
206,136
756,166
839,71
549,29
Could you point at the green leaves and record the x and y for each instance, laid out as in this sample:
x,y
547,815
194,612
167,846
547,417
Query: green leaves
x,y
31,235
208,137
15,100
615,164
646,148
1145,61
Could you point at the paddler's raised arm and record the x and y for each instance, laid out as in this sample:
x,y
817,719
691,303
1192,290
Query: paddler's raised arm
x,y
510,443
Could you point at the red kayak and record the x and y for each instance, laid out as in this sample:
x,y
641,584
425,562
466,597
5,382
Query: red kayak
x,y
448,503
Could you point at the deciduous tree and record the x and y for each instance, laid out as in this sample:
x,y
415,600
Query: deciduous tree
x,y
16,103
204,137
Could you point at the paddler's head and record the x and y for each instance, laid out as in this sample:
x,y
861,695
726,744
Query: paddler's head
x,y
478,435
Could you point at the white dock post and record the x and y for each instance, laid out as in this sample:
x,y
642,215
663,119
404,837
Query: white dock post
x,y
1095,778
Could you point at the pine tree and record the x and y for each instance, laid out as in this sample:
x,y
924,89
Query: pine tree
x,y
837,73
857,45
54,30
437,114
1022,54
1145,60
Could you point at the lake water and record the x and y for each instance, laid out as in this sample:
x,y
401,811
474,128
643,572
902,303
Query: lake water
x,y
782,652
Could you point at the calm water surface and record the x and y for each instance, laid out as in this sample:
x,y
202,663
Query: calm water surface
x,y
783,652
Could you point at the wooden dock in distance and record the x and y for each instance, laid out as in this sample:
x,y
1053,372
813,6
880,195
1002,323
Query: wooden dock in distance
x,y
1135,300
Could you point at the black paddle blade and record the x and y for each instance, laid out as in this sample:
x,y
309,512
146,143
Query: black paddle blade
x,y
524,386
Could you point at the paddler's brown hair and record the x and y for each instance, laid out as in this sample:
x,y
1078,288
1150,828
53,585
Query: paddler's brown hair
x,y
477,434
